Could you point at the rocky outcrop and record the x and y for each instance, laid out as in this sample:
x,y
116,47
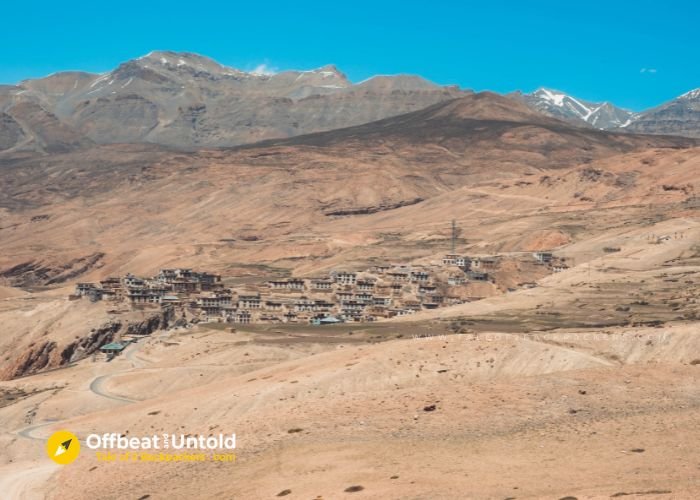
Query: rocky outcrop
x,y
36,358
372,210
160,321
75,351
49,354
11,133
38,273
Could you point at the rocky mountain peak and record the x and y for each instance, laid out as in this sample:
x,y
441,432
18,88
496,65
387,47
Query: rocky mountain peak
x,y
693,94
555,103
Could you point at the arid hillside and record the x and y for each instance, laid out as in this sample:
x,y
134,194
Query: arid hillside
x,y
583,384
382,190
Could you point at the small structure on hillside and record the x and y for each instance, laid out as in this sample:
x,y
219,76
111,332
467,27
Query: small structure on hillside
x,y
344,277
484,263
477,276
328,320
543,257
113,348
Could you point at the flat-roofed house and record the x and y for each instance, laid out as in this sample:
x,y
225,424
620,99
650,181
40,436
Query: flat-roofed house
x,y
131,281
543,257
366,285
450,259
321,284
111,282
185,286
277,284
351,305
380,268
456,280
381,301
477,276
344,277
402,312
170,299
273,305
269,318
399,275
143,297
295,284
412,305
323,305
183,273
463,262
304,304
484,263
112,288
208,281
167,275
287,284
420,276
113,348
83,289
249,301
212,305
242,317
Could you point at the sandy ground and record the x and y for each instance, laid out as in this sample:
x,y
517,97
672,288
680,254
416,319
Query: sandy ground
x,y
516,416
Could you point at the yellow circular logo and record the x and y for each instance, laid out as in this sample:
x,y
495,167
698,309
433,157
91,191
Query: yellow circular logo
x,y
63,447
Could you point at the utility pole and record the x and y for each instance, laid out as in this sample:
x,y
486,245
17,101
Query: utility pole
x,y
454,235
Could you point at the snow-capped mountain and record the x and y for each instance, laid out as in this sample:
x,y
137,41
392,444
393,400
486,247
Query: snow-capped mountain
x,y
680,116
187,100
600,115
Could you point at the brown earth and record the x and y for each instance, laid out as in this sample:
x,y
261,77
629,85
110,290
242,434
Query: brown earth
x,y
585,386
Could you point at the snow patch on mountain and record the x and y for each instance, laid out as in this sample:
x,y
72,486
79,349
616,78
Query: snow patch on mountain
x,y
693,94
563,106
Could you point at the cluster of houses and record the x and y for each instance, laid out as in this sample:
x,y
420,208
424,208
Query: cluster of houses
x,y
170,286
382,291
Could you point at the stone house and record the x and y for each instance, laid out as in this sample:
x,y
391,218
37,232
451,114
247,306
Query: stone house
x,y
249,301
344,278
543,257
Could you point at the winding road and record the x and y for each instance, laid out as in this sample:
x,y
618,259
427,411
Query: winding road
x,y
96,388
26,480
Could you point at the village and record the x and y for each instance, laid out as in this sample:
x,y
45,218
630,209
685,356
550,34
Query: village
x,y
383,291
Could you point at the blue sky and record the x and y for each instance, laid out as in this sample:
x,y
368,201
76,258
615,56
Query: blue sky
x,y
635,54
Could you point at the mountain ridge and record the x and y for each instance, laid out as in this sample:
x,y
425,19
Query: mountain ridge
x,y
190,101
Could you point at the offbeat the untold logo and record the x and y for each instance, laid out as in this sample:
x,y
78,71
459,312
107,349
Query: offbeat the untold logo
x,y
63,447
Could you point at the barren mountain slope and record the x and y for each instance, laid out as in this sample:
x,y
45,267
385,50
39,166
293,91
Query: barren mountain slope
x,y
513,181
190,101
510,396
680,116
138,208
